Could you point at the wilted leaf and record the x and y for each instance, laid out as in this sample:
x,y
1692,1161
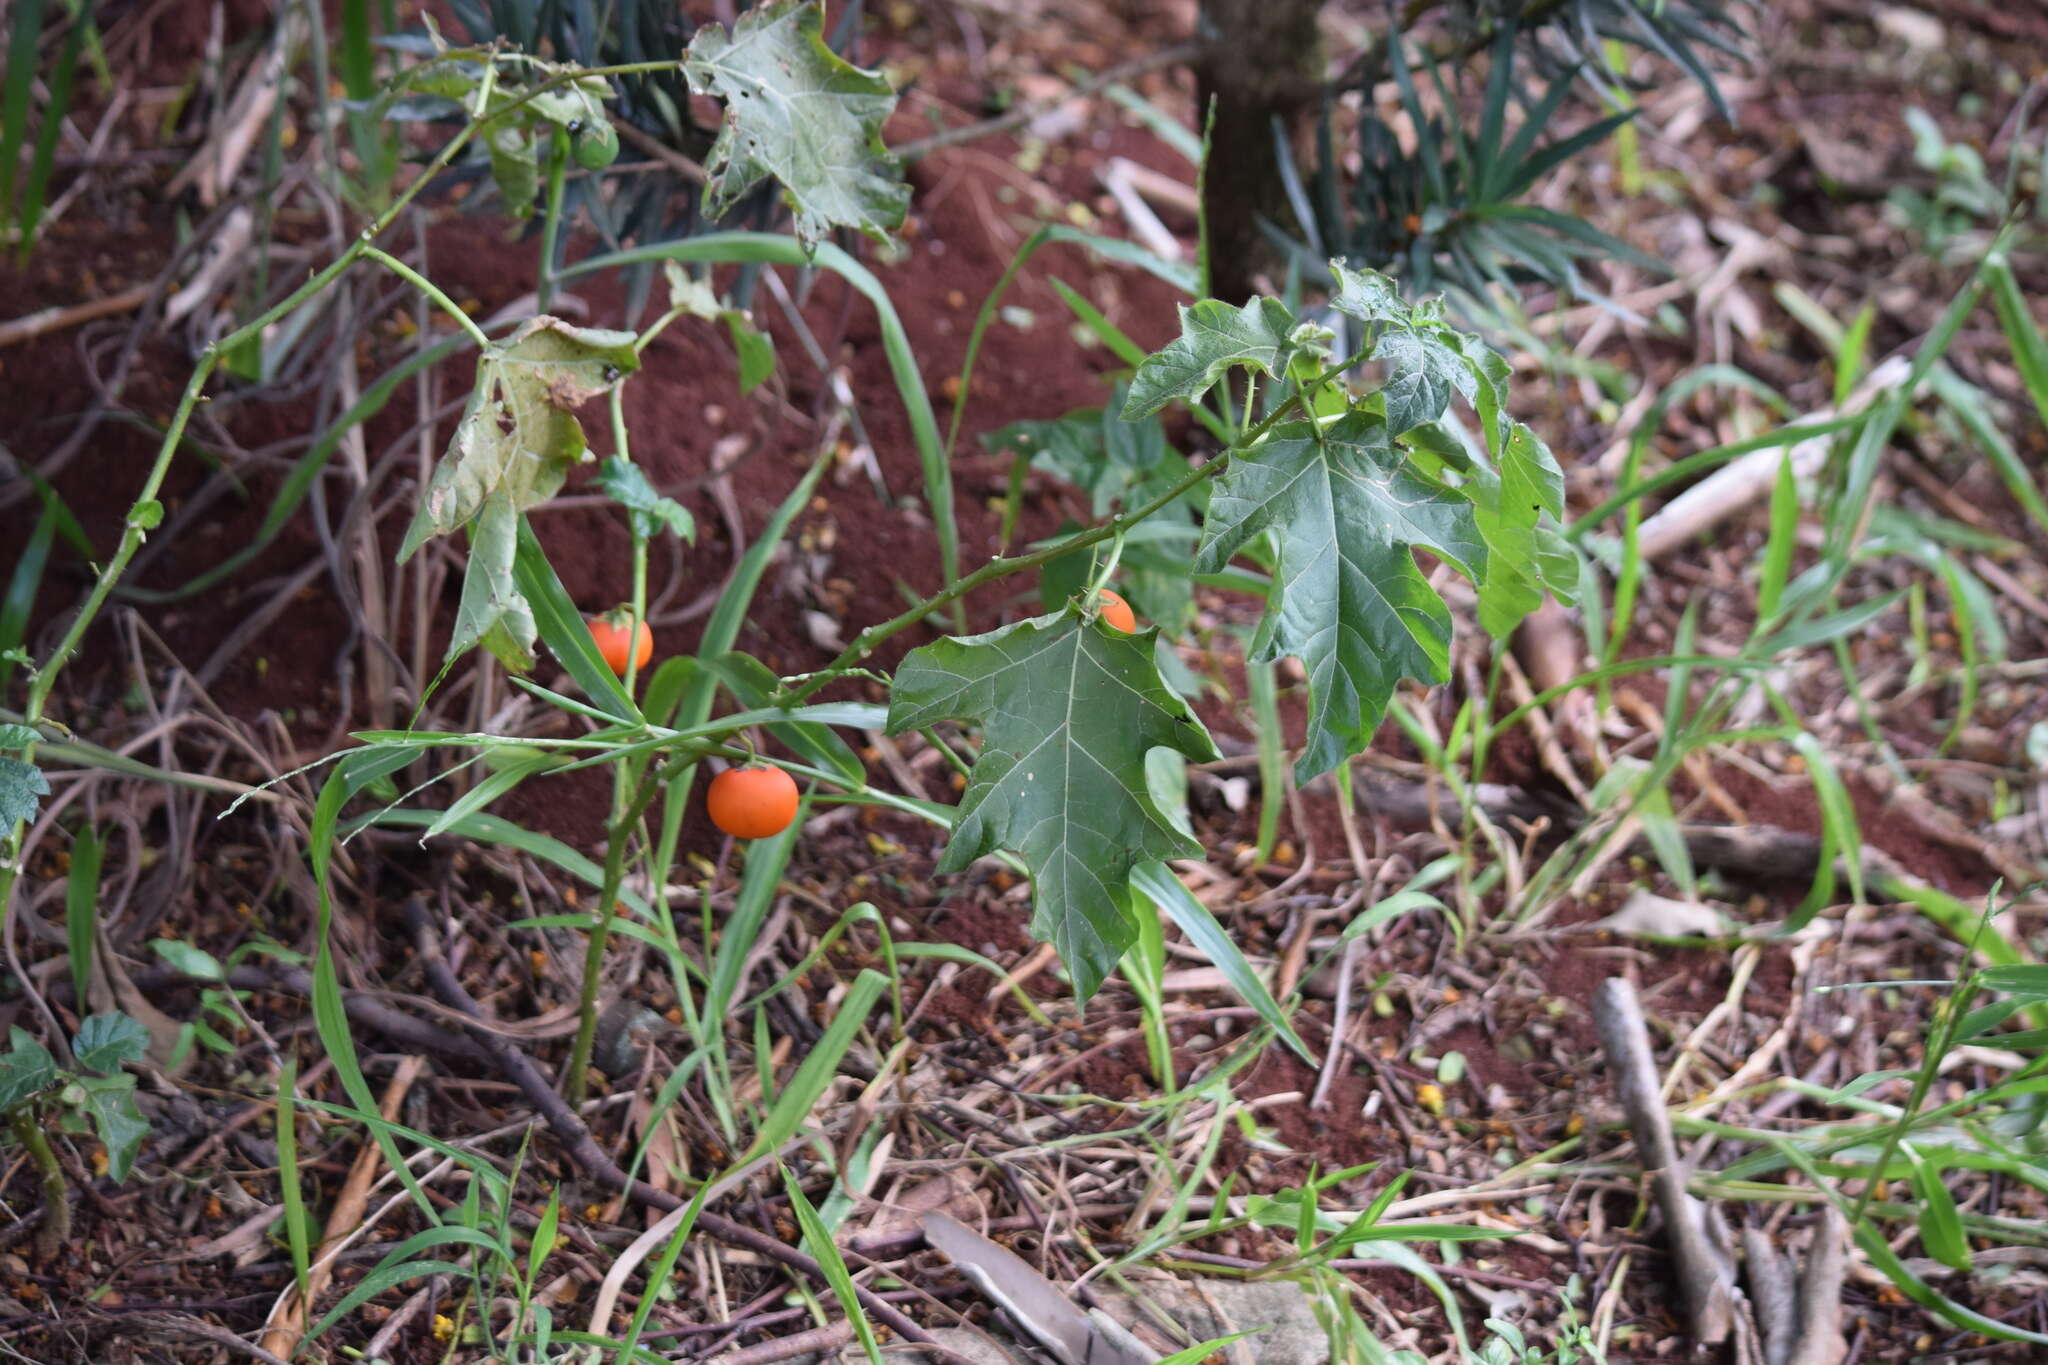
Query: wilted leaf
x,y
1068,708
513,450
797,111
688,293
520,434
1345,508
494,613
523,118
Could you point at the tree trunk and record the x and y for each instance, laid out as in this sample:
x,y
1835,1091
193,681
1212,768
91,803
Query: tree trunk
x,y
1264,59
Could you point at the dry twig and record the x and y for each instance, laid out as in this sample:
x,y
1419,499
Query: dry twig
x,y
1705,1275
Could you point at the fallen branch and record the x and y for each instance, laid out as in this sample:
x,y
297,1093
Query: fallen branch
x,y
1706,1277
32,325
1735,486
1770,1294
1820,1295
818,1342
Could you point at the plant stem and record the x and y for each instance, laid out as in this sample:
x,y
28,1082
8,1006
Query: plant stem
x,y
551,226
56,1229
866,642
616,842
431,290
136,526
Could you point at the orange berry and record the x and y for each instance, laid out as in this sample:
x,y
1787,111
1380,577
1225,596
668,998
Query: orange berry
x,y
752,803
1116,612
615,636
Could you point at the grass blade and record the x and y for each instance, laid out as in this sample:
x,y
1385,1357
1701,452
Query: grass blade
x,y
81,906
34,189
27,31
820,1065
826,1253
1202,930
297,1231
21,591
562,628
1968,403
2029,347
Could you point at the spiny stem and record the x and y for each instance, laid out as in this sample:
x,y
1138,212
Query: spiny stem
x,y
623,825
866,642
56,1229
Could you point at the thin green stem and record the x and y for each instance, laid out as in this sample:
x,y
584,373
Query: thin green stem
x,y
142,515
430,289
551,226
1001,566
866,642
616,844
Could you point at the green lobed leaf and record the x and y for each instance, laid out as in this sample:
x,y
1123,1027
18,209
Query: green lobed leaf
x,y
797,111
1097,450
1349,601
105,1041
624,483
1367,295
111,1102
1422,371
26,1069
22,787
1069,708
1525,558
1213,337
18,737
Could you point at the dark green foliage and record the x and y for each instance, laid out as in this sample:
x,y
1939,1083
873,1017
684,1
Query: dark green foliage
x,y
1447,213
